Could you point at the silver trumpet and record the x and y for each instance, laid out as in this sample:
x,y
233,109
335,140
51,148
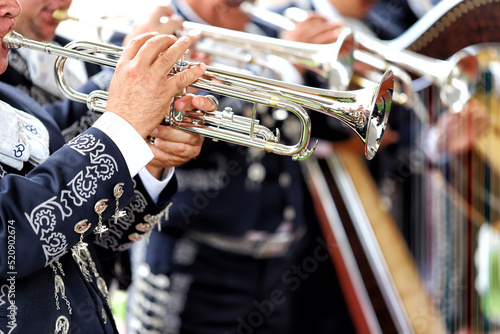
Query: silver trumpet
x,y
365,111
332,62
454,77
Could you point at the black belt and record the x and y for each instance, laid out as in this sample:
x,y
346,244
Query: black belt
x,y
257,244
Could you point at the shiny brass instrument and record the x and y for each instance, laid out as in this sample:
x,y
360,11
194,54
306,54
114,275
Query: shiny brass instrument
x,y
454,77
332,62
365,111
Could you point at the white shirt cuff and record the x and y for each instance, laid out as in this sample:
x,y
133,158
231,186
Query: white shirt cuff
x,y
133,147
154,186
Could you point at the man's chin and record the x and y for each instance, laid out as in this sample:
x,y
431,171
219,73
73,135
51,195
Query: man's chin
x,y
45,34
3,60
47,38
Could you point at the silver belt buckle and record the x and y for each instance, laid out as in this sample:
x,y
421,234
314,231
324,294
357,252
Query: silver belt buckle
x,y
274,246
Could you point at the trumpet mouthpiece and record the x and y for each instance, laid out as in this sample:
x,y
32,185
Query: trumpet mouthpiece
x,y
12,40
61,15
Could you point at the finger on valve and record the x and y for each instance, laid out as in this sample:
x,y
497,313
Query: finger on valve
x,y
143,76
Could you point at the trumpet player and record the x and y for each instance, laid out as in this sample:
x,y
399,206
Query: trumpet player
x,y
32,71
56,200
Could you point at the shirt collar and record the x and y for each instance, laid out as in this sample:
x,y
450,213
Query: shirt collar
x,y
188,13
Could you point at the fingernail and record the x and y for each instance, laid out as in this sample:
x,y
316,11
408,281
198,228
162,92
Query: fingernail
x,y
185,39
203,66
154,133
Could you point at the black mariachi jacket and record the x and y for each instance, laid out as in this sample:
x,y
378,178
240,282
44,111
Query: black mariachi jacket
x,y
43,287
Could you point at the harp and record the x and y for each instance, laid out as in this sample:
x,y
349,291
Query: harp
x,y
382,286
441,274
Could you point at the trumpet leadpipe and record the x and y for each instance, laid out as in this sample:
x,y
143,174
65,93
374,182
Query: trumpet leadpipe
x,y
13,40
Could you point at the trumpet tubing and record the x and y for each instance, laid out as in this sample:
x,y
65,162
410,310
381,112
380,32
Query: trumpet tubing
x,y
365,111
332,62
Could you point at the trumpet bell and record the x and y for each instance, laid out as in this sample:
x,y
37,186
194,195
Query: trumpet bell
x,y
458,84
377,120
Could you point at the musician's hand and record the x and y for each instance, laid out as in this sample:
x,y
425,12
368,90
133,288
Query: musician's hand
x,y
161,20
173,147
459,131
314,29
196,56
142,88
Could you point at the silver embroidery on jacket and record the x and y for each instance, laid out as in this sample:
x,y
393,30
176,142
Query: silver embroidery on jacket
x,y
82,187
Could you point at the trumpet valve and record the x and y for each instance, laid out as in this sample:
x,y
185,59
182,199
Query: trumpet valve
x,y
227,113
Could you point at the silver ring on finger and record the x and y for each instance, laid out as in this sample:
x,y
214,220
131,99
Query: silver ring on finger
x,y
214,99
